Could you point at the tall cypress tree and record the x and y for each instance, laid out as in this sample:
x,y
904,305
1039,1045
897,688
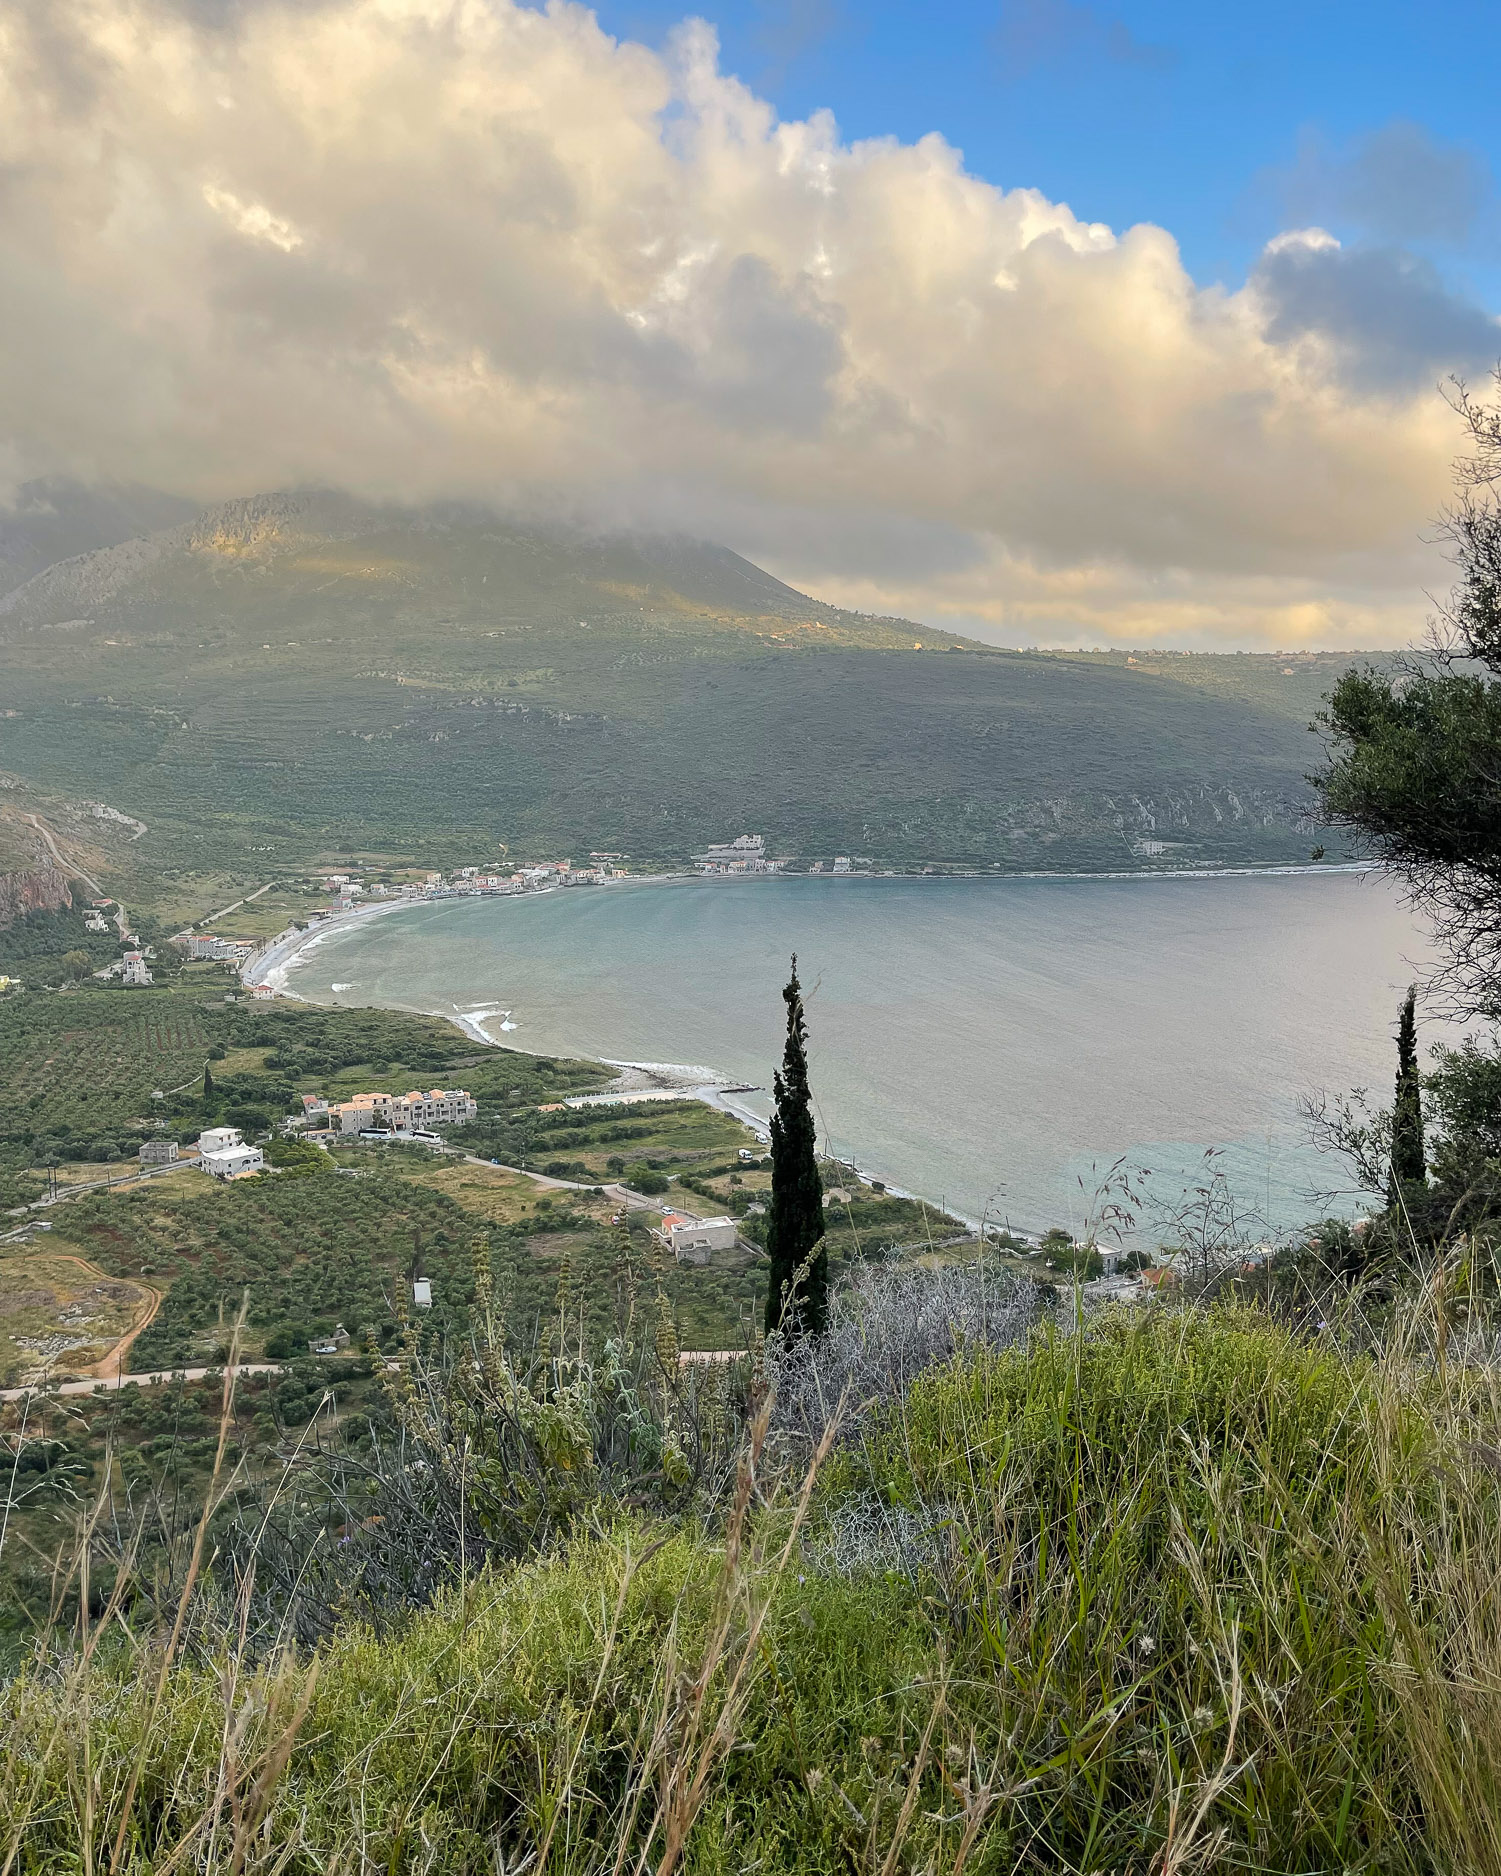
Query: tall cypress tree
x,y
1409,1161
208,1083
794,1218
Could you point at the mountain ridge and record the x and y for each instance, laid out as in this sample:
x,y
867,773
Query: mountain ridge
x,y
296,673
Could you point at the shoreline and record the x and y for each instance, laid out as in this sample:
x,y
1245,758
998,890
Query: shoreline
x,y
272,964
676,1080
681,1081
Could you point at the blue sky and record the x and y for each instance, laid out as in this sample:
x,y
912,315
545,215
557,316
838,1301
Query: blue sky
x,y
1222,123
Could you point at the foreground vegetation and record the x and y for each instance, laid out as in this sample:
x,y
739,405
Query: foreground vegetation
x,y
1180,1591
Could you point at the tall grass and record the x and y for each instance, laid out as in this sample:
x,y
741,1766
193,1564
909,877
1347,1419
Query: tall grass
x,y
1178,1591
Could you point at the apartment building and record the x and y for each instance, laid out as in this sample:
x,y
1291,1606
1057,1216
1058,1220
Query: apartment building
x,y
402,1113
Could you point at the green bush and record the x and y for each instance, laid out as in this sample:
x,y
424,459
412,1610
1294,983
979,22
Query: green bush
x,y
1179,1592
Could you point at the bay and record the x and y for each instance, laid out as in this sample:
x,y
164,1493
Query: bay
x,y
996,1044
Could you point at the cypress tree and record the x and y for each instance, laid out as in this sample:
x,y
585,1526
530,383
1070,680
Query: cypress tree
x,y
794,1218
208,1083
1409,1160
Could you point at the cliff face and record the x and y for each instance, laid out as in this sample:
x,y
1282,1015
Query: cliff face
x,y
42,889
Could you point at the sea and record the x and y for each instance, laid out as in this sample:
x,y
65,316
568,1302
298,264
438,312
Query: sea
x,y
1031,1051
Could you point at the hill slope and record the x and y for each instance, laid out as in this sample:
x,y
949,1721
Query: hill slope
x,y
288,674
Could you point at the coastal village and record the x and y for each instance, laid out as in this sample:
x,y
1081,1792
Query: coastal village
x,y
363,885
358,887
704,1216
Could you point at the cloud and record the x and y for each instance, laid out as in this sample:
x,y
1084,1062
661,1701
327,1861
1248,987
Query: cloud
x,y
1398,184
1040,32
428,248
1382,318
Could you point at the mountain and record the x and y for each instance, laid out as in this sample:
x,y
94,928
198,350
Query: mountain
x,y
299,673
55,519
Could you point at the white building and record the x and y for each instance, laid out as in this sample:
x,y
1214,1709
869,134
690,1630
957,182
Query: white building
x,y
224,1155
745,854
134,969
694,1240
422,1293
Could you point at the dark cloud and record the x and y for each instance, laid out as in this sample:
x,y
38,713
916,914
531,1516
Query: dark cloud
x,y
1041,32
771,356
1398,184
1387,314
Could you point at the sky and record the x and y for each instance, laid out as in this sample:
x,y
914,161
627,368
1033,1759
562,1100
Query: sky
x,y
1222,123
1051,322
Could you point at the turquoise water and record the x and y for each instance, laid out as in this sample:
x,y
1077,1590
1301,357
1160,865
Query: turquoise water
x,y
993,1043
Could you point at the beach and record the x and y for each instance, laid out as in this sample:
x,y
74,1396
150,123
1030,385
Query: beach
x,y
995,1045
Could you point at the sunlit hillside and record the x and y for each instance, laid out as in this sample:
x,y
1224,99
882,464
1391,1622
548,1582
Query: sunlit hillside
x,y
293,672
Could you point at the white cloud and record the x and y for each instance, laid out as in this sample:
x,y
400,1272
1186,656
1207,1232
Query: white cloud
x,y
425,247
253,219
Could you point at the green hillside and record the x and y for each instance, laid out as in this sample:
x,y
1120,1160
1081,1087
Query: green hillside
x,y
292,675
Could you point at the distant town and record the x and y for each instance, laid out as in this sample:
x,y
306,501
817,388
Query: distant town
x,y
360,886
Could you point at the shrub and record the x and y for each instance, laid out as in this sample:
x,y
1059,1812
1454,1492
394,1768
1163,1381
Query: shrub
x,y
1190,1541
1174,1593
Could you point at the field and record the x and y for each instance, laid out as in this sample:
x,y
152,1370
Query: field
x,y
309,1253
83,1067
60,1315
91,1059
490,691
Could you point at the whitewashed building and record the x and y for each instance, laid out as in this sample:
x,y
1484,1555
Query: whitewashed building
x,y
745,854
224,1155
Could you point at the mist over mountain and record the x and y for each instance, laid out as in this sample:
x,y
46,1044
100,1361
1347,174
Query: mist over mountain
x,y
298,672
365,561
53,519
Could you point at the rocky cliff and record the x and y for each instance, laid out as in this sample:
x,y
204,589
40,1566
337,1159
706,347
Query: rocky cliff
x,y
40,889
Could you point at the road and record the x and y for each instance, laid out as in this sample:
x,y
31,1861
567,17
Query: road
x,y
59,859
223,912
138,1380
617,1194
64,1193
